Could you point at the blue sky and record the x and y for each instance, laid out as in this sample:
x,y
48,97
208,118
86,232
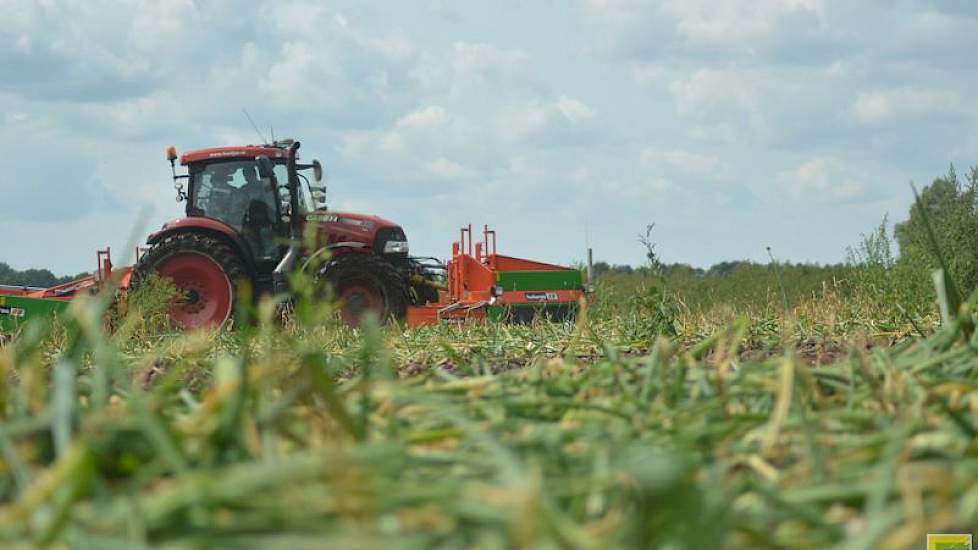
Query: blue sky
x,y
733,125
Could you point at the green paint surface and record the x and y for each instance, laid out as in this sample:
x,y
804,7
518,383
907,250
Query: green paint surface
x,y
15,311
565,279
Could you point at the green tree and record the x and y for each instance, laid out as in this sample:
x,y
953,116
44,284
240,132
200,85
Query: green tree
x,y
32,277
952,208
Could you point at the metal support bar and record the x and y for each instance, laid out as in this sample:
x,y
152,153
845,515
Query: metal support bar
x,y
590,270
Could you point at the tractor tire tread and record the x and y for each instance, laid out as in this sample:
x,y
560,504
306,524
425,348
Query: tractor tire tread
x,y
212,247
395,287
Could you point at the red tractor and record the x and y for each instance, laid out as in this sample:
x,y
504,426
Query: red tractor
x,y
247,210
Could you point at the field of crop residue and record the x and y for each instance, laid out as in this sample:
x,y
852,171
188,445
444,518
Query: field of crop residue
x,y
764,409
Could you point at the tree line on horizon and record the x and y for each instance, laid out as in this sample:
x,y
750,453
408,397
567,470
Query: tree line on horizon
x,y
42,278
720,269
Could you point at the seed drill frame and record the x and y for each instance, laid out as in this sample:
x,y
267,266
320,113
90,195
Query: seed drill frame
x,y
483,284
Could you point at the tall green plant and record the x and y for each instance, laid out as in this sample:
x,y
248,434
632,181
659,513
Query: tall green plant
x,y
946,212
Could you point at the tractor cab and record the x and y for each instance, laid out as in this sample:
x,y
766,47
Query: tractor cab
x,y
233,192
247,189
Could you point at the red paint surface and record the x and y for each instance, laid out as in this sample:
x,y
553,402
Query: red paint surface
x,y
207,287
192,223
245,151
356,300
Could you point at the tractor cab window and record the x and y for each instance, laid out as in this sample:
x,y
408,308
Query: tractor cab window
x,y
306,203
232,191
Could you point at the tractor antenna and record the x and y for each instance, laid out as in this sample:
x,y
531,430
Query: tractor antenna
x,y
272,130
253,125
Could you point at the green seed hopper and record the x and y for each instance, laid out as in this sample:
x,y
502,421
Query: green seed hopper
x,y
17,310
20,305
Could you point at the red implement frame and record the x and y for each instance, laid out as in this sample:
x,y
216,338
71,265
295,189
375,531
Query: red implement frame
x,y
472,276
66,291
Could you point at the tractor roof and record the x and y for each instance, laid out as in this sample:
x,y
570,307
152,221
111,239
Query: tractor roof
x,y
243,151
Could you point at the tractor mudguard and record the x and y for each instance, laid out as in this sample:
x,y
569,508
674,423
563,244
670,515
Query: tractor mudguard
x,y
207,226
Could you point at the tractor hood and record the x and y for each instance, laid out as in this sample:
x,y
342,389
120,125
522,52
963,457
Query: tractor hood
x,y
352,230
351,221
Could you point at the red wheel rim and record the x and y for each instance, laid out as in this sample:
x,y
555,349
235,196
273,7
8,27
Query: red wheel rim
x,y
355,300
206,287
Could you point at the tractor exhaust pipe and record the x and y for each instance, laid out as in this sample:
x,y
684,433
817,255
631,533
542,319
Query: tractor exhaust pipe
x,y
280,282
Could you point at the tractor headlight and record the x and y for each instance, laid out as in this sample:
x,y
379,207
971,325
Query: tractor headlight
x,y
396,247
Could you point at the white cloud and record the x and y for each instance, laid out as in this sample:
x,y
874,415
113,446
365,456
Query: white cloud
x,y
650,74
821,180
678,161
288,80
727,104
552,121
478,60
883,105
473,69
746,25
444,169
573,110
413,132
748,29
428,118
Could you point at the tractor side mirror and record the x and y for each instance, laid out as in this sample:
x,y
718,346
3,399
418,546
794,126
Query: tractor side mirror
x,y
317,171
265,169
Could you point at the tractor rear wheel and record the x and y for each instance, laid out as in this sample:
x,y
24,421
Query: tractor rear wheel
x,y
205,269
365,284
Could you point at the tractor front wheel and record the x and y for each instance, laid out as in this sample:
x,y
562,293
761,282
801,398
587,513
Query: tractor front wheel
x,y
365,284
204,269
